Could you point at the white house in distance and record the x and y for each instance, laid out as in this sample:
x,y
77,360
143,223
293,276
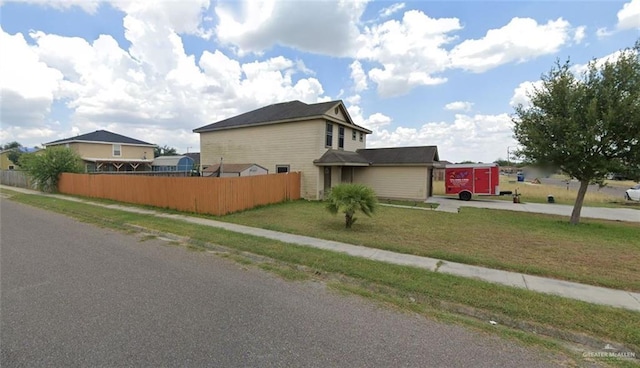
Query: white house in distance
x,y
322,142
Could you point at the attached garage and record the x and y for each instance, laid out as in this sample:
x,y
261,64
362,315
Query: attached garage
x,y
399,173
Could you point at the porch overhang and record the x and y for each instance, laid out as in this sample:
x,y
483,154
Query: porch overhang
x,y
341,158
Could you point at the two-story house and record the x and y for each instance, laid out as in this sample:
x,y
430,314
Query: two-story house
x,y
106,151
323,143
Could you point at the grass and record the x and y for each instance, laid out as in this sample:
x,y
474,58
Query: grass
x,y
431,294
603,253
537,193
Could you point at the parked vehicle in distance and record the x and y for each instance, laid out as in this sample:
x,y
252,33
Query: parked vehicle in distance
x,y
633,193
617,176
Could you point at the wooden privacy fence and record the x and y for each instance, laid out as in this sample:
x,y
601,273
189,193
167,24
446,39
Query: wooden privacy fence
x,y
15,178
214,196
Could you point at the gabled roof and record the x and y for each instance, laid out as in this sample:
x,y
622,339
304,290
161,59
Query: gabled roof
x,y
230,168
279,113
101,136
341,158
421,155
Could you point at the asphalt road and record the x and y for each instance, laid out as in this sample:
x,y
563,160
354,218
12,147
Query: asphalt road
x,y
75,295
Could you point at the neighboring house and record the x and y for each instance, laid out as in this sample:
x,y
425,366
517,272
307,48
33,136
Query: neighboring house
x,y
323,143
106,151
173,163
7,164
196,158
231,170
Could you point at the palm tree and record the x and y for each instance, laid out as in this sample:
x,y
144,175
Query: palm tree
x,y
349,198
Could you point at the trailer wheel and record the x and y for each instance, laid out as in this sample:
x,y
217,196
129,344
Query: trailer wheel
x,y
465,196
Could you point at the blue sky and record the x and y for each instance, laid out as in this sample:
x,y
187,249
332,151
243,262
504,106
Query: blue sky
x,y
444,73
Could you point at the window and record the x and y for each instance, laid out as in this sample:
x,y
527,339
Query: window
x,y
11,167
340,137
282,169
329,140
361,137
117,150
353,135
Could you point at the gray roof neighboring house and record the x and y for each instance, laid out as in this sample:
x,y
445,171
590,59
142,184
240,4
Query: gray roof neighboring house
x,y
420,155
195,156
101,136
280,113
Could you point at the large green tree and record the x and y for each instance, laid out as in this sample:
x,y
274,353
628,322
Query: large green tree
x,y
350,198
45,167
587,125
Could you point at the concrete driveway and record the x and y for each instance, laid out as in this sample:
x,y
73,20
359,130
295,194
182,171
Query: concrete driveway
x,y
448,204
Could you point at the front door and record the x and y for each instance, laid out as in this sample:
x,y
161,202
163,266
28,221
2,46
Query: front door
x,y
327,180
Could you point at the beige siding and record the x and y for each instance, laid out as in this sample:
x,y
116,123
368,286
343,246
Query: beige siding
x,y
105,151
395,181
293,144
350,144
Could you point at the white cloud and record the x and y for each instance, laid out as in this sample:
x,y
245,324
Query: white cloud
x,y
579,34
152,91
603,32
468,137
522,92
459,106
390,10
629,15
520,40
358,76
27,85
323,26
409,51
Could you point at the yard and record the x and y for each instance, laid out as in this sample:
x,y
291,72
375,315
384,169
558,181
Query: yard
x,y
537,193
603,253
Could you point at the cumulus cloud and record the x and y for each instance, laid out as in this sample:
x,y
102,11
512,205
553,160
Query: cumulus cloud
x,y
467,137
409,52
324,26
152,91
459,106
358,76
629,15
523,91
520,40
27,85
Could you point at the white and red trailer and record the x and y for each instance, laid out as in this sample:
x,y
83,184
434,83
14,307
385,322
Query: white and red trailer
x,y
466,180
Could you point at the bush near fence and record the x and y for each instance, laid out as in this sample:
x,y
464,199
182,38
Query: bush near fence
x,y
213,196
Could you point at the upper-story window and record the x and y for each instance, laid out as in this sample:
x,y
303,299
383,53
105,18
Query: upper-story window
x,y
353,135
341,137
117,150
361,137
329,140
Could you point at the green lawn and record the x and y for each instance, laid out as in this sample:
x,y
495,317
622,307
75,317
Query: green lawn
x,y
603,253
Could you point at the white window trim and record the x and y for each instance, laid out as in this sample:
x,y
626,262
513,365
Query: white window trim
x,y
113,150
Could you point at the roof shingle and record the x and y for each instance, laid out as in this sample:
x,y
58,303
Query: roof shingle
x,y
420,155
101,136
292,110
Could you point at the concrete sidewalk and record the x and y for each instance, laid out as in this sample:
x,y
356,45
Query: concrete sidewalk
x,y
587,293
449,204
